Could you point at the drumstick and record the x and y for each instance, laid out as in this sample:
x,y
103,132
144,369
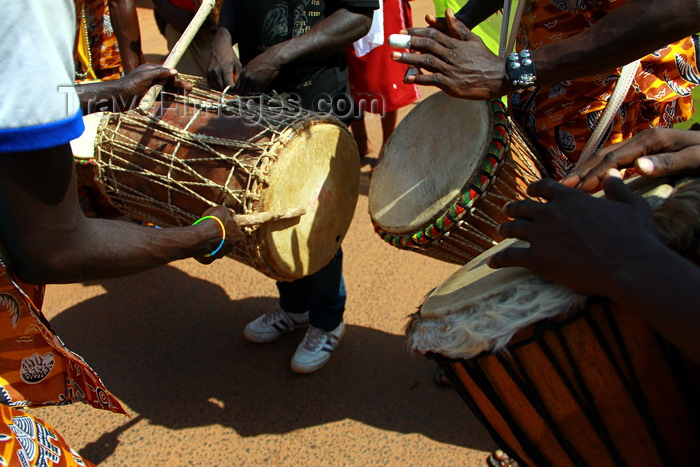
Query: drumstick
x,y
178,50
247,220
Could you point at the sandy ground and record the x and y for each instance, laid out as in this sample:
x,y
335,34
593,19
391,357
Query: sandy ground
x,y
169,345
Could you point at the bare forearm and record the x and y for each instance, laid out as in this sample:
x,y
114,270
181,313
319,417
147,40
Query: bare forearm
x,y
49,240
125,22
104,96
98,248
663,289
622,36
327,37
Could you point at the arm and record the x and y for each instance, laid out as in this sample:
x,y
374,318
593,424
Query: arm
x,y
224,66
476,11
125,22
626,31
327,37
461,67
49,240
607,247
654,152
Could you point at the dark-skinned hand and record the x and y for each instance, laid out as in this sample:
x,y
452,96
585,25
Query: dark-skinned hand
x,y
224,67
259,73
137,83
655,152
233,233
457,60
578,240
125,93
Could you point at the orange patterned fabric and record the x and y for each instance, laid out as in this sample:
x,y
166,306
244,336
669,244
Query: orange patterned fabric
x,y
29,441
102,42
36,369
562,116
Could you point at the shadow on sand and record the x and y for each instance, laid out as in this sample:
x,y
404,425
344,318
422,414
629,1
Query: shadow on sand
x,y
171,347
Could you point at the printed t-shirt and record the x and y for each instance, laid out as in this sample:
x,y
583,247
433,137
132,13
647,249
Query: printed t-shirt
x,y
259,24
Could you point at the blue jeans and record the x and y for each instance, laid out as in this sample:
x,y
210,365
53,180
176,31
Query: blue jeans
x,y
322,294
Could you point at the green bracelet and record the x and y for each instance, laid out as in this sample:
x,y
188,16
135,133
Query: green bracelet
x,y
223,229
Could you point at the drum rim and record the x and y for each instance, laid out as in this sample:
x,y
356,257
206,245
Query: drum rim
x,y
473,191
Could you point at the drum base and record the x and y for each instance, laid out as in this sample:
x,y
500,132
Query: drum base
x,y
598,388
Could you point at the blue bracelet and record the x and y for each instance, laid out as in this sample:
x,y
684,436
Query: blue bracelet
x,y
223,229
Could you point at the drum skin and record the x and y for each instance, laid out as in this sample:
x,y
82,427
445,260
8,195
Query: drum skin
x,y
446,173
192,153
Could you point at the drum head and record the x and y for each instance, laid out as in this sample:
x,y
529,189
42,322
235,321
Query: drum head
x,y
317,169
427,162
474,283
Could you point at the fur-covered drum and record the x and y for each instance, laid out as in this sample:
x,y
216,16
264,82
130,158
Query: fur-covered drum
x,y
445,174
559,378
254,154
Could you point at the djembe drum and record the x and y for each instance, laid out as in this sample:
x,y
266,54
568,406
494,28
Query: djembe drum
x,y
445,174
255,154
559,378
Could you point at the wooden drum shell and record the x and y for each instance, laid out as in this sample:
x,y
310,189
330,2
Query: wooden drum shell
x,y
559,378
252,155
598,387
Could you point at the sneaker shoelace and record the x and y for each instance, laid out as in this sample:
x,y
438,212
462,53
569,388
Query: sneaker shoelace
x,y
278,316
315,338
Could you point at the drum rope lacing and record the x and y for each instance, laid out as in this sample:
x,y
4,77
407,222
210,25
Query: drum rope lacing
x,y
278,120
176,166
255,170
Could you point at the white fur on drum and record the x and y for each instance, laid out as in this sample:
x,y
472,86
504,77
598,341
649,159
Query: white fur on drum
x,y
491,323
478,309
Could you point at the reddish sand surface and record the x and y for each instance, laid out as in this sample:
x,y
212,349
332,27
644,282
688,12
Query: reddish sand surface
x,y
169,344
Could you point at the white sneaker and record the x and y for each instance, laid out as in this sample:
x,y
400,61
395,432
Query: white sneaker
x,y
315,349
274,323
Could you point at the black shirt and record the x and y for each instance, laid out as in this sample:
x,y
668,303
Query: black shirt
x,y
317,83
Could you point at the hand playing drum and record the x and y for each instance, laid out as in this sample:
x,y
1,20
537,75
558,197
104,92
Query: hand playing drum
x,y
124,94
256,155
656,152
560,378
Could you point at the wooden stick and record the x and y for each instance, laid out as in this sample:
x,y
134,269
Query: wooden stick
x,y
247,220
149,99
